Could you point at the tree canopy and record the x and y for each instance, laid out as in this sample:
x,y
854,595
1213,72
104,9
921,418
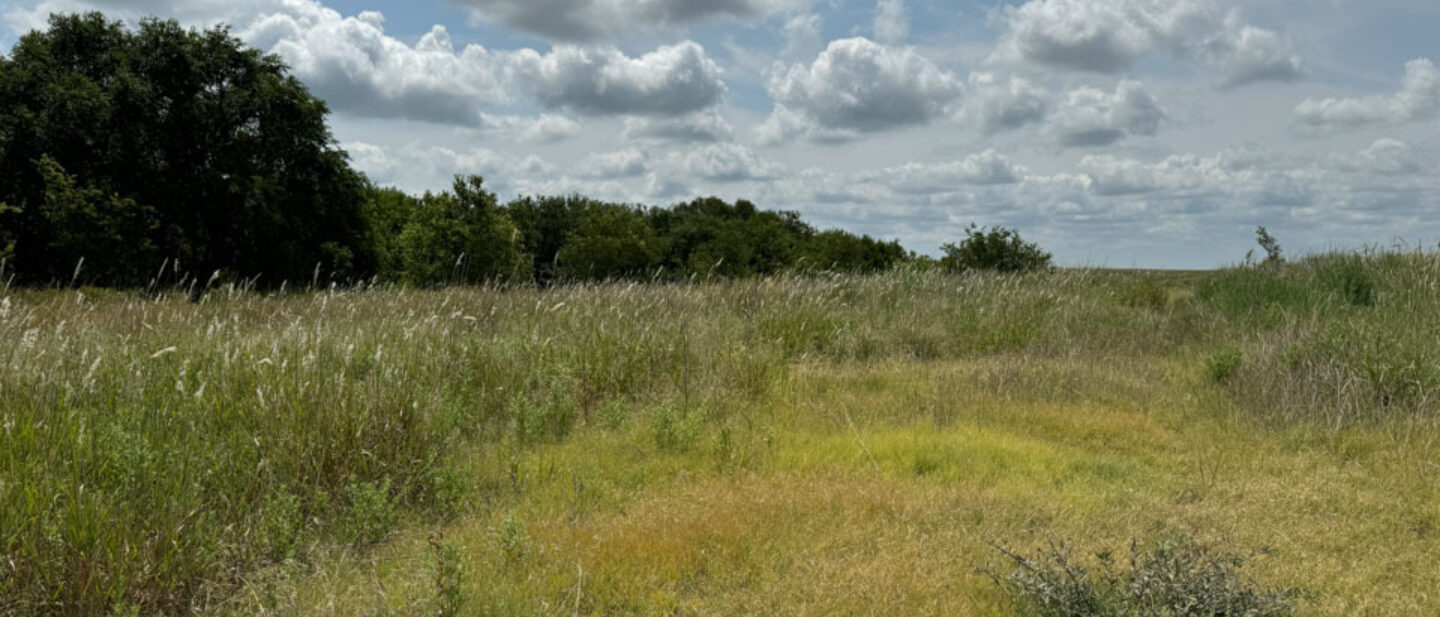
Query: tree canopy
x,y
133,148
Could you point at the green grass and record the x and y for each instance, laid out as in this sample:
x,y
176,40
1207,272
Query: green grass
x,y
790,445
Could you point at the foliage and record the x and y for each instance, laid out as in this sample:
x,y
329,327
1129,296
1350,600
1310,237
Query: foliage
x,y
1270,245
1224,364
110,234
461,237
998,249
710,237
1176,579
841,251
609,241
370,513
227,156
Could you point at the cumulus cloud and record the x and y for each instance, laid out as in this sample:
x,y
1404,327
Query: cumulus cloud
x,y
703,127
351,62
802,35
1003,104
857,86
543,129
671,80
892,26
592,20
1092,117
628,163
416,167
1110,36
725,162
980,169
1417,99
1080,117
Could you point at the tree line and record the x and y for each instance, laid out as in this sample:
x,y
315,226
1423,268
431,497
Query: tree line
x,y
164,153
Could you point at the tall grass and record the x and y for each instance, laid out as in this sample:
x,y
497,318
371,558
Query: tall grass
x,y
153,450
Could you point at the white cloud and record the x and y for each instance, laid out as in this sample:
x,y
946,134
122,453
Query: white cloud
x,y
857,86
1092,117
1417,99
672,80
1087,35
543,129
725,162
416,167
1002,105
1110,36
1080,117
706,126
983,168
351,62
628,163
802,35
892,25
591,20
356,67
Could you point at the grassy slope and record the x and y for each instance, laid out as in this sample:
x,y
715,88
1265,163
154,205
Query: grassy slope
x,y
786,446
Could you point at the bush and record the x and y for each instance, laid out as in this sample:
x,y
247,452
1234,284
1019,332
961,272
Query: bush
x,y
999,249
371,513
1224,364
1179,579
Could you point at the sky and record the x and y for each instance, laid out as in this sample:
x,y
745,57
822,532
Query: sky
x,y
1117,133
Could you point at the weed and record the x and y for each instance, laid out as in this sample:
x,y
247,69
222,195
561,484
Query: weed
x,y
674,429
512,539
1224,364
371,512
449,577
1175,579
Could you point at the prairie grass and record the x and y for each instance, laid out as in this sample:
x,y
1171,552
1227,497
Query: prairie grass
x,y
789,445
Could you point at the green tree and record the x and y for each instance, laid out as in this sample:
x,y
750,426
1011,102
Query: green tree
x,y
230,151
461,237
841,251
108,233
545,225
998,249
609,241
710,236
387,212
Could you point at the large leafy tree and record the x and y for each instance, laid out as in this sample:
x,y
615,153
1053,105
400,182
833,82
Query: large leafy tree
x,y
194,149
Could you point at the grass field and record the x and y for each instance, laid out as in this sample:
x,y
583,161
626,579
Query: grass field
x,y
843,445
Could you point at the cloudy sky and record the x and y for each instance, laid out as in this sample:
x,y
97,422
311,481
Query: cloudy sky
x,y
1113,132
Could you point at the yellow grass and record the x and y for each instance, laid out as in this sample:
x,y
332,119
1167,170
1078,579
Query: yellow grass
x,y
803,515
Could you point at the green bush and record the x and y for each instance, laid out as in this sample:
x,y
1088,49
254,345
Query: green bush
x,y
1178,579
371,512
998,249
673,428
1223,365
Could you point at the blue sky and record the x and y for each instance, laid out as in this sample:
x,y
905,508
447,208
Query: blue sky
x,y
1114,132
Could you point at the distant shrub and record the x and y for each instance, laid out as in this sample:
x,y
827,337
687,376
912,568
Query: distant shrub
x,y
998,249
1223,365
1178,579
1270,245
